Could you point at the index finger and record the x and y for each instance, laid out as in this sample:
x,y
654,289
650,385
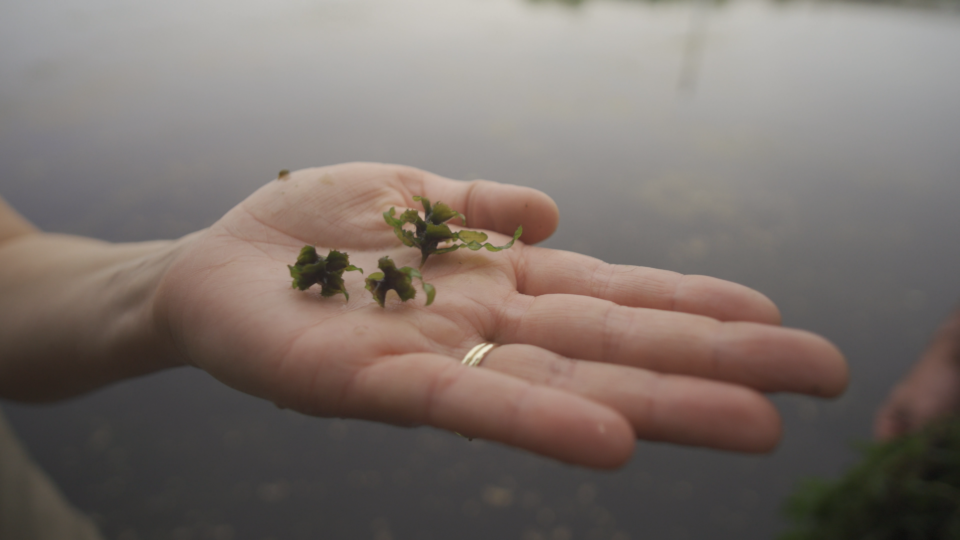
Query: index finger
x,y
547,271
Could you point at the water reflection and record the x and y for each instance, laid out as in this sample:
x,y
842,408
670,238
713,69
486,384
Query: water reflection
x,y
816,161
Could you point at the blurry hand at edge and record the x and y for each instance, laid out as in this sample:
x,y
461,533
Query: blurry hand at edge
x,y
930,391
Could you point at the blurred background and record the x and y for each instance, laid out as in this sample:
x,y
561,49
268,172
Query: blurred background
x,y
810,150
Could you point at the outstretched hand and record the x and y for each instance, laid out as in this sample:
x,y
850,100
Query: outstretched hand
x,y
591,357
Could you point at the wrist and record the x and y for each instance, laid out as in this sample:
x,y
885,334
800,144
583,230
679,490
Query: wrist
x,y
162,330
100,298
137,335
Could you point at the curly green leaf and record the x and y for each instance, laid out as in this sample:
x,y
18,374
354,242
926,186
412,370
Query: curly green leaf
x,y
430,290
472,236
427,288
475,245
448,249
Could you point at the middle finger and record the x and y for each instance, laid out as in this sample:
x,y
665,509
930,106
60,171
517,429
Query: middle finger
x,y
764,357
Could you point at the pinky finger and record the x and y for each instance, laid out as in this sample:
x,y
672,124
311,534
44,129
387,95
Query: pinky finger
x,y
437,390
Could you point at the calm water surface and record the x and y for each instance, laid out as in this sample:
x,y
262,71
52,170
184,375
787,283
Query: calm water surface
x,y
809,150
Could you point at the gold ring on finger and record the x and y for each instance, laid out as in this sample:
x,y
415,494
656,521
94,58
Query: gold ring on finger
x,y
476,354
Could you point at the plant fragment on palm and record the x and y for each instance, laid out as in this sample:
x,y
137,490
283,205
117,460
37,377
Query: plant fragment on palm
x,y
312,268
431,230
397,279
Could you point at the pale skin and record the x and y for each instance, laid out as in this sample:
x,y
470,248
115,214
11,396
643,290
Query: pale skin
x,y
592,356
930,391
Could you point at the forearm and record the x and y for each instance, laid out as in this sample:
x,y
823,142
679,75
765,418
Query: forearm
x,y
77,314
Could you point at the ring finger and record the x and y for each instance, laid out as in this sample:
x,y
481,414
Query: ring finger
x,y
764,357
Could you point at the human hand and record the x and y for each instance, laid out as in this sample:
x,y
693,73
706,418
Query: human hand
x,y
592,355
930,391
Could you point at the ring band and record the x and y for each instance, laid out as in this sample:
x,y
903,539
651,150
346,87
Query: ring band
x,y
476,354
473,359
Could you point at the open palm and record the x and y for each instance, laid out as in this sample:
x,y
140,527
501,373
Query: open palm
x,y
592,355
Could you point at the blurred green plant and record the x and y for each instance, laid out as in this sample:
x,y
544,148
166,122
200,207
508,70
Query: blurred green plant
x,y
905,489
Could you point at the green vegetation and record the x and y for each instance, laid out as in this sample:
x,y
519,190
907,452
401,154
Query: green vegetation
x,y
398,279
312,268
432,230
905,489
429,233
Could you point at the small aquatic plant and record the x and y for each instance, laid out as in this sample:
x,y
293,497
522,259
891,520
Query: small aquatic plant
x,y
397,279
312,268
428,234
431,230
908,488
